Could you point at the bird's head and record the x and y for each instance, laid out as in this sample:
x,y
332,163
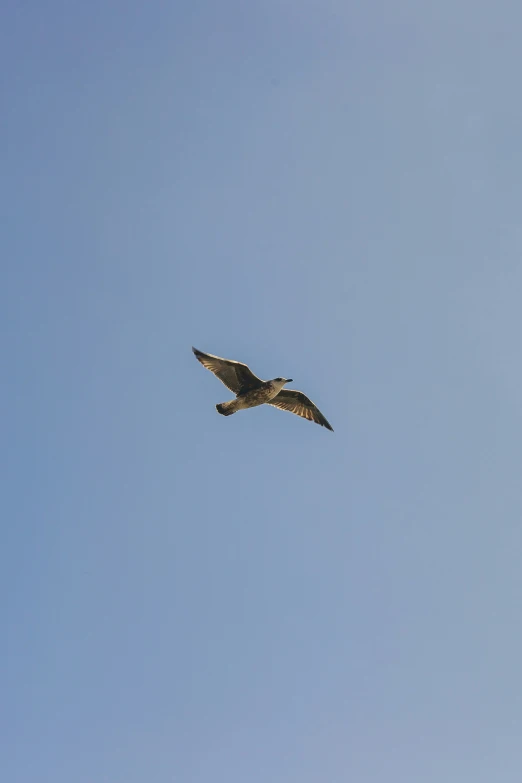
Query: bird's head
x,y
281,381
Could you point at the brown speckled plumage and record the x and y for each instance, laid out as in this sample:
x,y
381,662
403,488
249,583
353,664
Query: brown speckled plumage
x,y
251,391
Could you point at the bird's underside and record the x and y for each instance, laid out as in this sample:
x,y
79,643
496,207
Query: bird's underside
x,y
251,391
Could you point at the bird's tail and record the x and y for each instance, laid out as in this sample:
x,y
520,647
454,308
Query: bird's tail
x,y
227,408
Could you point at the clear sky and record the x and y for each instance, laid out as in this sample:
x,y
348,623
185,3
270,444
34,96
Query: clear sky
x,y
328,191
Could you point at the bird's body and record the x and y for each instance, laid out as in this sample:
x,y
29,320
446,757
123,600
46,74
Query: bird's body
x,y
251,391
251,399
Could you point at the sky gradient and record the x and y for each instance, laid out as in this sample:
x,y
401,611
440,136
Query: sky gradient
x,y
330,192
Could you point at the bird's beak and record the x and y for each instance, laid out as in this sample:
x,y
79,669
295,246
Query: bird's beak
x,y
289,380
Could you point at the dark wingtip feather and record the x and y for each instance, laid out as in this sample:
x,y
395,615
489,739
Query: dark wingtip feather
x,y
324,423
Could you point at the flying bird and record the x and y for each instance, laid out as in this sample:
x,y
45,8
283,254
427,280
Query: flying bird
x,y
251,391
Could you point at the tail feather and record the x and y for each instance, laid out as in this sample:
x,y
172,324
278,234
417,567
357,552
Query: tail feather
x,y
226,408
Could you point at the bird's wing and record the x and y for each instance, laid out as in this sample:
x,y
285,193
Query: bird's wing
x,y
297,402
237,376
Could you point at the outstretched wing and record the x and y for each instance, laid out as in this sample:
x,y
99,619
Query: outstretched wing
x,y
237,376
298,403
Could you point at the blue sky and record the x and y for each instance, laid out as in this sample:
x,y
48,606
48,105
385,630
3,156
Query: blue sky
x,y
329,192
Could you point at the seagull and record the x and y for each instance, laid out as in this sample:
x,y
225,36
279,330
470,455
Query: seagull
x,y
251,391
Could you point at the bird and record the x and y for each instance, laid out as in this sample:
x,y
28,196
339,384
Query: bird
x,y
251,391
